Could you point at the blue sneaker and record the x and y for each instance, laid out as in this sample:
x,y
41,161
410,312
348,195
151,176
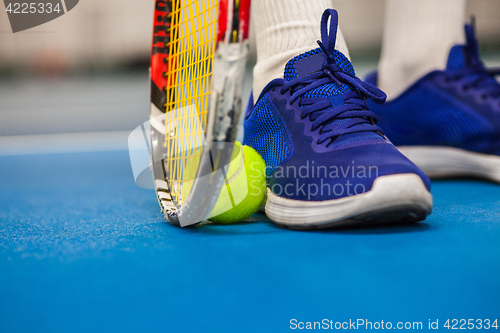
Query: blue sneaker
x,y
328,164
448,122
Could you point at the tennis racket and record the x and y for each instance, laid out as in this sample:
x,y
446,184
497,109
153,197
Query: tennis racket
x,y
198,62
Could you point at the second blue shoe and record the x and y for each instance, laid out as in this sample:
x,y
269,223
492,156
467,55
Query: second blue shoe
x,y
448,122
328,163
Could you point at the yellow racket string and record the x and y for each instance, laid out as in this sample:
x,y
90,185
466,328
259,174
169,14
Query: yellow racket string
x,y
191,50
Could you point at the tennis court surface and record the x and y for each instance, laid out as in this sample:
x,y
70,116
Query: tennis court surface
x,y
84,249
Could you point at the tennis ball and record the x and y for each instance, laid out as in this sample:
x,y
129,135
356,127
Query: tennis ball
x,y
244,189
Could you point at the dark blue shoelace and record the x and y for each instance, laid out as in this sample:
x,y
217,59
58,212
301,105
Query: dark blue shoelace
x,y
480,79
354,111
476,76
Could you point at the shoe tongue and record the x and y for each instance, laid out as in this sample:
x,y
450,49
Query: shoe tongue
x,y
457,58
466,55
312,61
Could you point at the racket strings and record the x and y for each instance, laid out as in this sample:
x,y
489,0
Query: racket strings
x,y
191,49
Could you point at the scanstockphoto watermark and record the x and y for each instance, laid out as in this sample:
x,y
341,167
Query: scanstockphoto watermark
x,y
310,179
357,324
366,324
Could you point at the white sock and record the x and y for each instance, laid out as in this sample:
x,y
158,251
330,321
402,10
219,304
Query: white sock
x,y
285,29
418,35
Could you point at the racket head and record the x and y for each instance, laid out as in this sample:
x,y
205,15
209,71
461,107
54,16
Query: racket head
x,y
197,65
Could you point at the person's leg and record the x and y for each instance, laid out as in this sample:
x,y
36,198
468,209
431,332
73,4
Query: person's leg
x,y
285,28
418,35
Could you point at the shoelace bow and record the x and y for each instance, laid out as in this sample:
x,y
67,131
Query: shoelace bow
x,y
354,112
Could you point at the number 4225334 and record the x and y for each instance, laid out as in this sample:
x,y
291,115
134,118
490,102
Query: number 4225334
x,y
463,324
32,8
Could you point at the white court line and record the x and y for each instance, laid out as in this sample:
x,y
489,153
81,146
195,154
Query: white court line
x,y
63,143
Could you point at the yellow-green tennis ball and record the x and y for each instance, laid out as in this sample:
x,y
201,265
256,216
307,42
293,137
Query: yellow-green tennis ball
x,y
244,189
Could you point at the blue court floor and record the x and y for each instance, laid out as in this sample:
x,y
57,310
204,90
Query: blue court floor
x,y
83,249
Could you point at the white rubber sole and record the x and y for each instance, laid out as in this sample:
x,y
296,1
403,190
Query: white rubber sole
x,y
446,162
392,199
